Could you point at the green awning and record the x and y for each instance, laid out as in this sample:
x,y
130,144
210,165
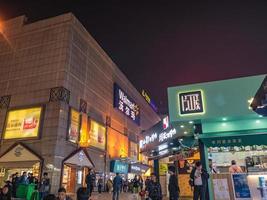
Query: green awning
x,y
234,139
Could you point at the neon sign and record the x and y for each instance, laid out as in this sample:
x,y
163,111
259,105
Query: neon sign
x,y
149,101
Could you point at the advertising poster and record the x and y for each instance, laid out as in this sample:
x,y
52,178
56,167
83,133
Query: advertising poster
x,y
118,144
241,187
221,189
119,167
74,126
23,123
84,136
163,168
97,135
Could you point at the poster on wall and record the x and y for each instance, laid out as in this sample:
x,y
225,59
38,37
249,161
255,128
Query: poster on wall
x,y
97,134
241,187
163,168
84,136
124,103
118,144
221,189
74,126
23,123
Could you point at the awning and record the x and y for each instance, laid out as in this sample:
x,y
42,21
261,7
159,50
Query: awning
x,y
79,157
234,139
19,153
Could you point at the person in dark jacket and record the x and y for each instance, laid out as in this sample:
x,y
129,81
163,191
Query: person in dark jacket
x,y
199,179
90,181
15,182
117,184
173,184
154,189
82,193
5,193
62,194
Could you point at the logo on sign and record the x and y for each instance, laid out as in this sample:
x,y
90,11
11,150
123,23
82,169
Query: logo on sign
x,y
165,122
148,140
18,151
191,103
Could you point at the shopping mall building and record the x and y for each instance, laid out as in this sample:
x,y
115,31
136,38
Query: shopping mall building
x,y
65,106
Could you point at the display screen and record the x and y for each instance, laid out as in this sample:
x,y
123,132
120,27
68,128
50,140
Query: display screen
x,y
74,126
97,134
23,123
126,105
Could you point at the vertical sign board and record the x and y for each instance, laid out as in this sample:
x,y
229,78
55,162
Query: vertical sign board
x,y
241,187
126,105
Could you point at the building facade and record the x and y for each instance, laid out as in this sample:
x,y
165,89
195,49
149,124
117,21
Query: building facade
x,y
59,91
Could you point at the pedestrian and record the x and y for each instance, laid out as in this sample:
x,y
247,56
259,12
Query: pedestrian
x,y
154,188
173,184
24,179
30,178
109,185
90,181
82,193
15,182
62,194
125,185
50,197
199,180
117,184
5,193
234,168
100,184
44,186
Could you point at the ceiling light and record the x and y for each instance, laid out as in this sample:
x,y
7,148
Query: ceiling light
x,y
191,122
258,121
223,124
182,126
185,132
224,119
260,116
171,143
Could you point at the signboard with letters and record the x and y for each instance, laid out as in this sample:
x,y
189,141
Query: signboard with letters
x,y
149,101
126,105
23,123
138,168
241,187
73,135
191,102
117,166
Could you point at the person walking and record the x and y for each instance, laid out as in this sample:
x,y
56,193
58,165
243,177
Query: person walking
x,y
100,183
62,194
82,193
109,185
30,178
117,184
90,181
199,180
15,182
44,186
234,168
24,179
154,188
173,184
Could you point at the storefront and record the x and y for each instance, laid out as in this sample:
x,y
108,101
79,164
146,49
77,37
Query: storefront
x,y
19,158
75,169
170,145
229,116
137,169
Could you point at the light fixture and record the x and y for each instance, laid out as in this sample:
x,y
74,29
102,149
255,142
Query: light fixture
x,y
260,116
224,119
223,124
185,132
174,148
250,100
182,126
190,122
171,143
258,121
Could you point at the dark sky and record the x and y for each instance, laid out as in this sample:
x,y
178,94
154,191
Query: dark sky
x,y
158,45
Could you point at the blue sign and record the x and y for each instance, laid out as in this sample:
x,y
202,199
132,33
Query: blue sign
x,y
241,188
126,105
117,166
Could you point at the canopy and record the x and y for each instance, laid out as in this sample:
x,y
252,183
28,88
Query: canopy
x,y
79,157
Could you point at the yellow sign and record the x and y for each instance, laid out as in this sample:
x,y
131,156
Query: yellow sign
x,y
97,135
163,168
23,123
74,126
84,136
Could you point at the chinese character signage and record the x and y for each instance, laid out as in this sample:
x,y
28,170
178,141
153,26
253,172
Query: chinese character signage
x,y
97,134
126,105
117,166
74,126
23,123
191,103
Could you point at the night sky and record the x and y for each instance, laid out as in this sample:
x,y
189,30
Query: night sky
x,y
158,45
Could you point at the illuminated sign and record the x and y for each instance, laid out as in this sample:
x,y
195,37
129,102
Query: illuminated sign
x,y
149,101
167,135
165,122
97,134
191,102
73,135
84,136
148,139
138,168
23,123
126,105
117,166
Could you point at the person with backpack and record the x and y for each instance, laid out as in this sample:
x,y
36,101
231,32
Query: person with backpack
x,y
199,180
154,188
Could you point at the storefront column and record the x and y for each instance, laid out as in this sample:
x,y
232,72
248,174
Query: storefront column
x,y
156,168
205,161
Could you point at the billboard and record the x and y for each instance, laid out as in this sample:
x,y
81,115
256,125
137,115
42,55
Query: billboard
x,y
117,144
84,136
124,103
73,134
23,123
97,134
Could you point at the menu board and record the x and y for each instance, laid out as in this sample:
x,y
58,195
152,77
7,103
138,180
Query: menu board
x,y
23,123
241,187
221,189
